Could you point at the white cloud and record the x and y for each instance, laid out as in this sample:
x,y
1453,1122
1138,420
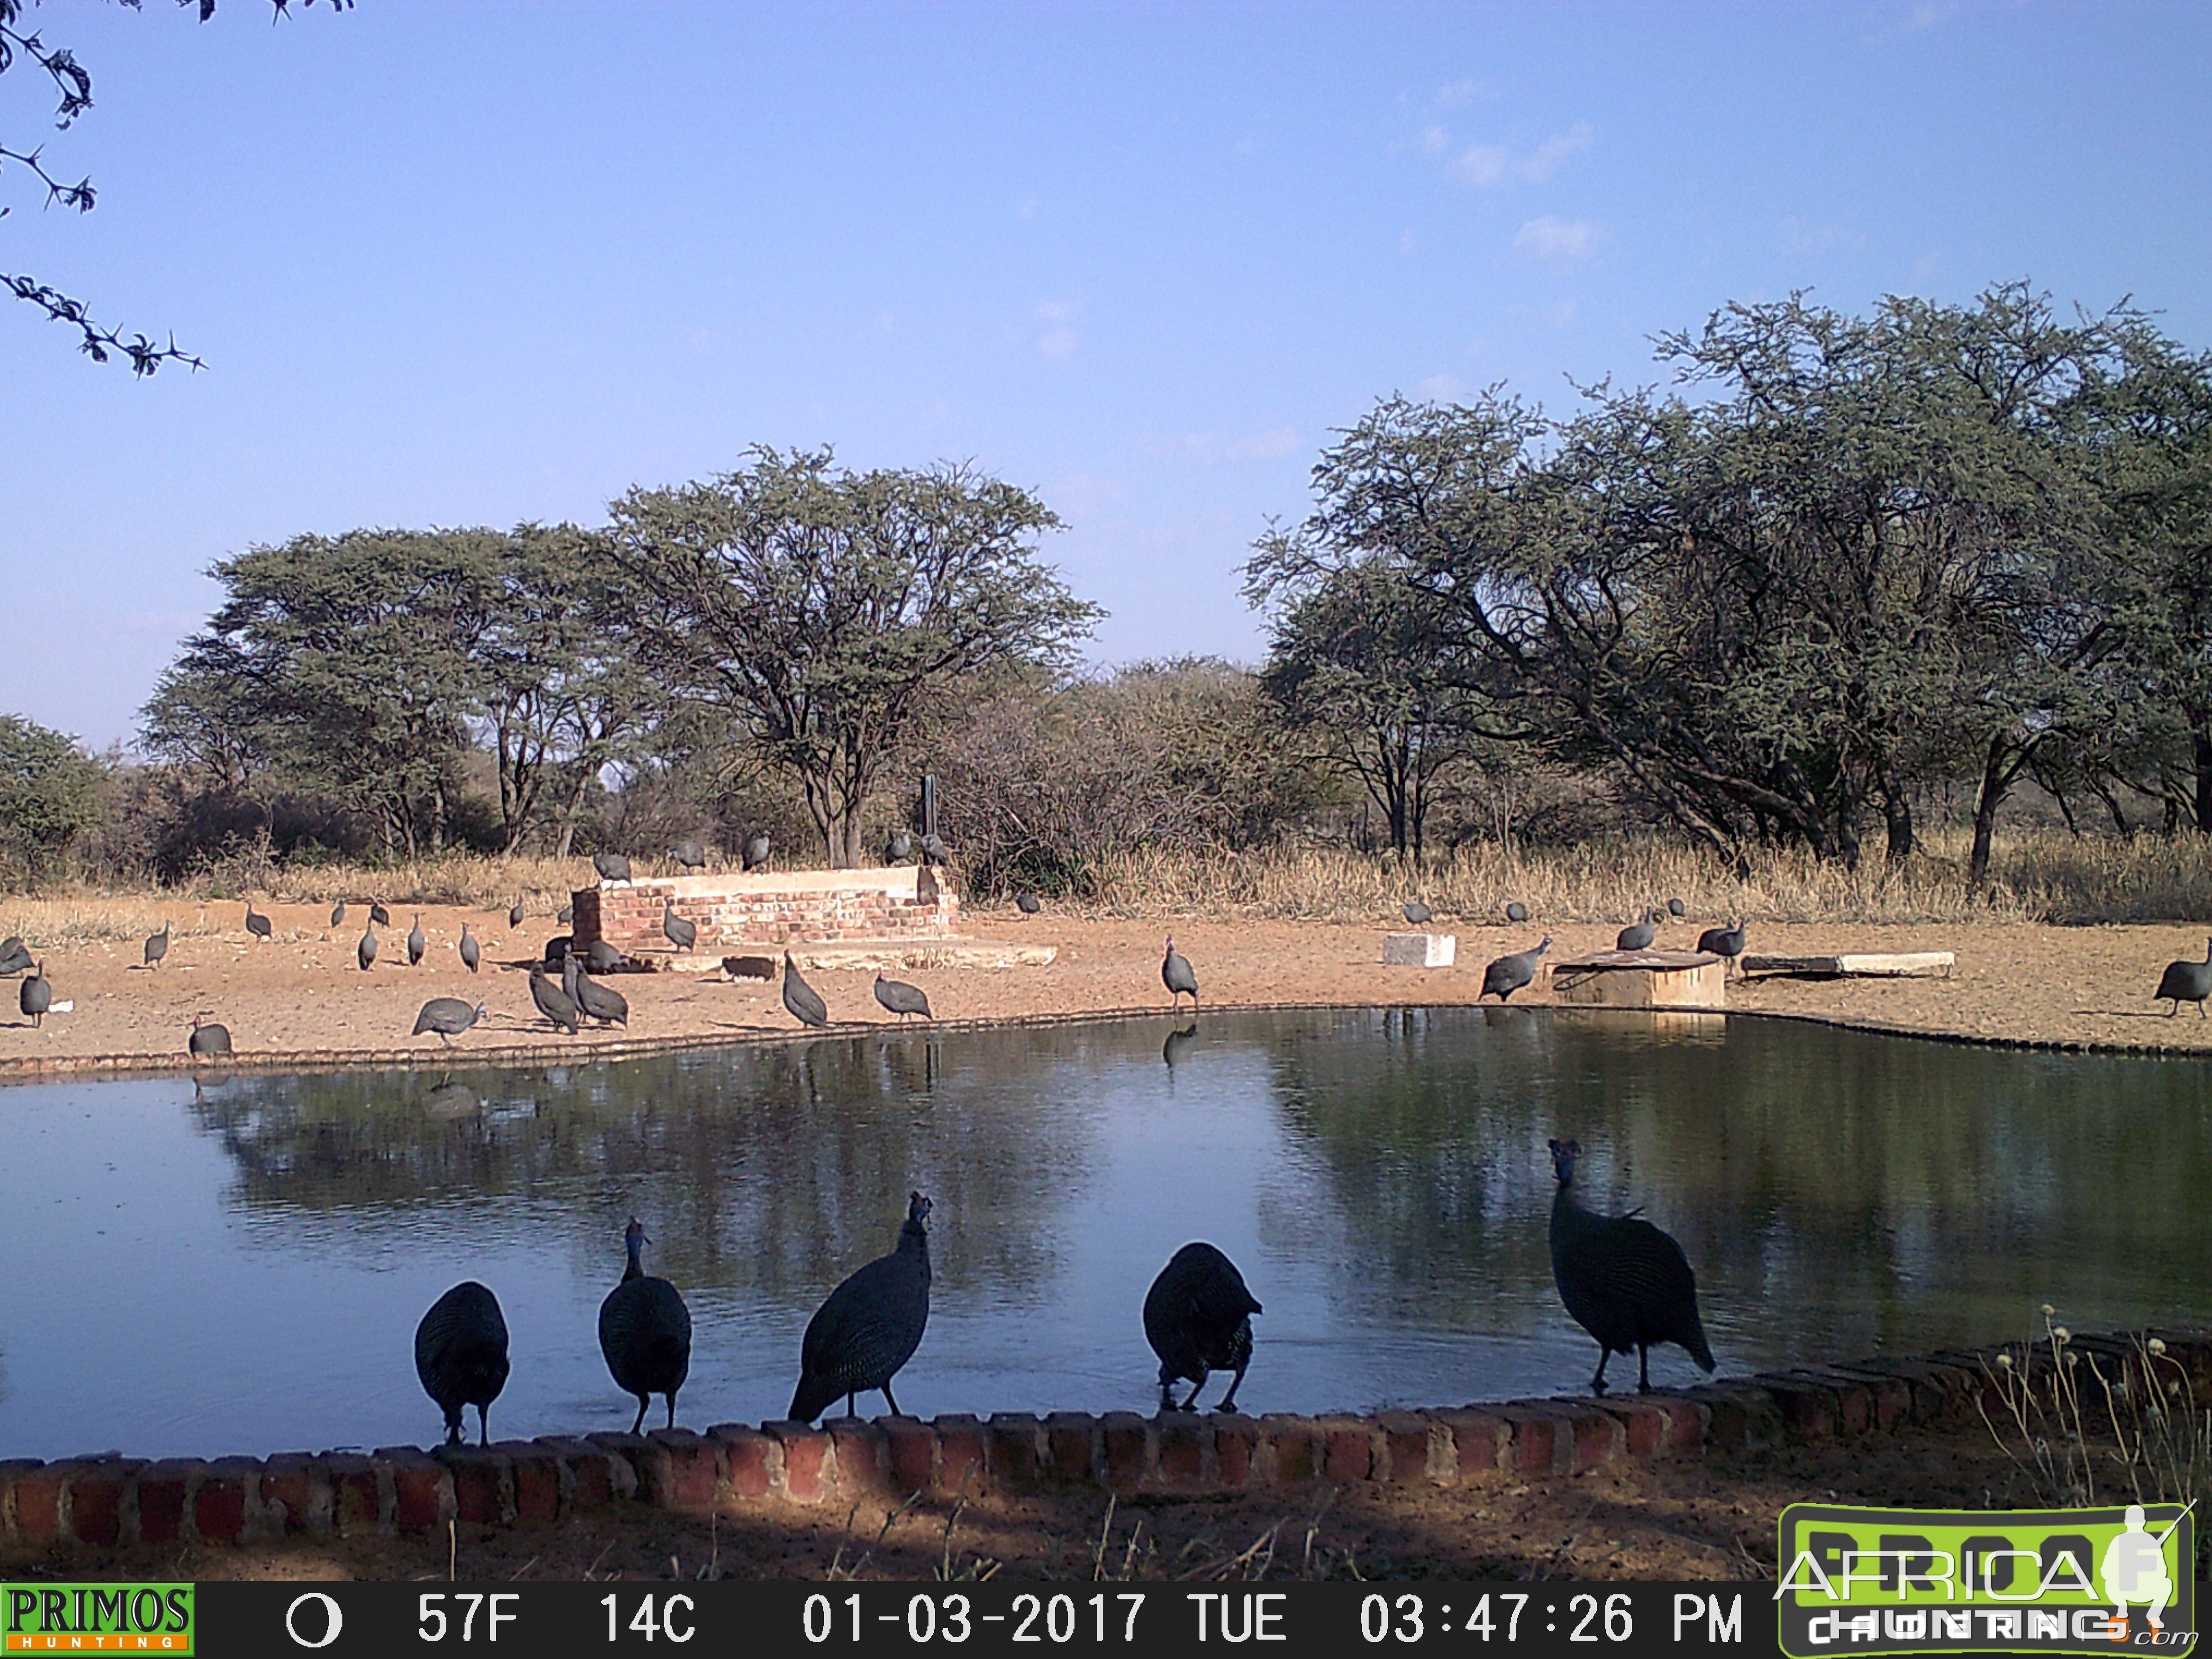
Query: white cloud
x,y
1453,94
1435,139
1487,164
1057,344
1554,240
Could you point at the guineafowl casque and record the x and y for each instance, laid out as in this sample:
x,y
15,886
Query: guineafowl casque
x,y
869,1327
1178,975
1625,1282
157,946
1509,974
460,1354
902,999
1197,1317
1726,943
207,1041
645,1332
2186,981
801,999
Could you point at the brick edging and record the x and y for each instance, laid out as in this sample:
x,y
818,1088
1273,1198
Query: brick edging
x,y
733,1467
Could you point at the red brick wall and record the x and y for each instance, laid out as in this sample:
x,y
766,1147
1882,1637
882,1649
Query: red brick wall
x,y
733,912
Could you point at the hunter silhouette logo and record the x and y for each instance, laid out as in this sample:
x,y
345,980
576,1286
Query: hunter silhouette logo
x,y
1867,1581
152,1618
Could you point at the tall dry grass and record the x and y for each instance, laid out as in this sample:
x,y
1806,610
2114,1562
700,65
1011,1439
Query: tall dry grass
x,y
2037,875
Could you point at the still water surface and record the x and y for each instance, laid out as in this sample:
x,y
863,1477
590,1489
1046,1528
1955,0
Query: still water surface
x,y
240,1268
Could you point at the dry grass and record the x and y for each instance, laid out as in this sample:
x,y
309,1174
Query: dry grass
x,y
2036,876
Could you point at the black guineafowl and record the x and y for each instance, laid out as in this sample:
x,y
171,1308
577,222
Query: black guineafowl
x,y
602,957
460,1354
1178,975
645,1332
902,999
1625,1282
2186,981
377,914
870,1325
1509,974
1197,1317
609,1008
802,1001
1028,903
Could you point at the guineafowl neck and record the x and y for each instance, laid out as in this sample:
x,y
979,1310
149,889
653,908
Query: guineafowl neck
x,y
636,1267
913,1241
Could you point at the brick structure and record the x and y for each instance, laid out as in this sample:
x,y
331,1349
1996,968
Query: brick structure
x,y
734,1469
735,914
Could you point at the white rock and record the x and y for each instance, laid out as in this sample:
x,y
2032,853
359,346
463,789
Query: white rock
x,y
1419,950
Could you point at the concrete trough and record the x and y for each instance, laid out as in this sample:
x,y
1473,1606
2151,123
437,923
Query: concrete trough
x,y
1642,979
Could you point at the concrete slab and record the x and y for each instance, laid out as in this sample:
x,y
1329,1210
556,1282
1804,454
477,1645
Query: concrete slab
x,y
1642,979
1902,965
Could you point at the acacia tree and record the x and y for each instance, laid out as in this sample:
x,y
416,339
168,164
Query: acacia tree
x,y
819,611
49,796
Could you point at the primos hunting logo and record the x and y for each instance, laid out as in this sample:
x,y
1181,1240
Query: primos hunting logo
x,y
96,1618
2022,1581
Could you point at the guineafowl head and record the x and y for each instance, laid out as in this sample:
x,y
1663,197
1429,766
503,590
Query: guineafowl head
x,y
917,1209
1564,1154
634,1238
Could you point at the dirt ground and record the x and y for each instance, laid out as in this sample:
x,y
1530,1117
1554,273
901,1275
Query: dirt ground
x,y
300,992
1712,1518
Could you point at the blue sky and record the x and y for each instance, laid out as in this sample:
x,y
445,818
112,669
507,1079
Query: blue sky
x,y
473,265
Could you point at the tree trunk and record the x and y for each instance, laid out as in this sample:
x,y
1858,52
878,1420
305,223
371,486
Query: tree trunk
x,y
1999,768
2200,741
574,810
1897,818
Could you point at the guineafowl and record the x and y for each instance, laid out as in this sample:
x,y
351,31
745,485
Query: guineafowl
x,y
1177,975
448,1017
757,851
256,923
377,914
902,999
1726,943
691,854
564,915
1173,1044
1028,903
36,994
338,914
14,955
472,952
1625,1282
899,848
1509,974
680,933
365,952
1516,911
870,1326
602,957
556,1004
207,1040
2186,981
803,1001
611,866
1197,1317
416,944
157,944
1417,913
933,850
1676,909
1638,937
609,1008
645,1332
460,1354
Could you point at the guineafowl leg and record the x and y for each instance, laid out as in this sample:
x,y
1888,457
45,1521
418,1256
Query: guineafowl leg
x,y
671,1408
484,1425
892,1398
1229,1400
643,1401
852,1403
1644,1368
1597,1383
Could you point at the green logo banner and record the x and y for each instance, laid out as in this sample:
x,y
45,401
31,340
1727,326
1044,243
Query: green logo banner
x,y
1863,1581
111,1618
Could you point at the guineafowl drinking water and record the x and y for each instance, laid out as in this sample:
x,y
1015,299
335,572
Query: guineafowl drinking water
x,y
460,1354
1177,975
1625,1282
2186,981
1197,1317
645,1332
870,1326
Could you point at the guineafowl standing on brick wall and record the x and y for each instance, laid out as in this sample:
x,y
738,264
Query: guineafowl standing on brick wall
x,y
1625,1282
460,1354
1197,1317
869,1327
645,1332
756,850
